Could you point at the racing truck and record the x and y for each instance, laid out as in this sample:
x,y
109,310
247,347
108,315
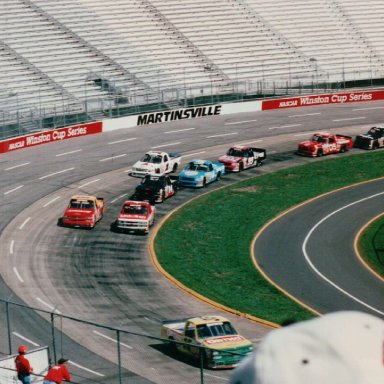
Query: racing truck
x,y
214,337
156,188
373,139
135,216
240,157
156,162
199,173
325,143
83,211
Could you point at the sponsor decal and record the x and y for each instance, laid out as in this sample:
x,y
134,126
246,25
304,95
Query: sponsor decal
x,y
179,114
225,339
49,136
311,100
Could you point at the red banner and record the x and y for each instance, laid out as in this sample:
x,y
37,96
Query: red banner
x,y
328,98
49,136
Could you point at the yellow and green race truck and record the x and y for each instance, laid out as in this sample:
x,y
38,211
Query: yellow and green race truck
x,y
214,337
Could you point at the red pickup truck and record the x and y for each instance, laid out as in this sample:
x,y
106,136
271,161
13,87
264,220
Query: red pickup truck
x,y
324,143
135,216
83,211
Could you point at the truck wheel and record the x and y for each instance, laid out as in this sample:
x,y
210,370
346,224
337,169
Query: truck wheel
x,y
218,177
241,167
174,169
162,196
375,146
320,153
343,149
204,182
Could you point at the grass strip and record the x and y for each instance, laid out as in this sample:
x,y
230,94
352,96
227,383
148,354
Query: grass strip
x,y
205,245
371,245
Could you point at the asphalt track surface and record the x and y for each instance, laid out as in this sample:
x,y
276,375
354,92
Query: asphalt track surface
x,y
109,278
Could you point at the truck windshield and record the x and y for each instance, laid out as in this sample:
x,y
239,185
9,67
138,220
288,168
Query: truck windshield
x,y
148,158
214,330
235,152
319,139
81,204
196,167
135,210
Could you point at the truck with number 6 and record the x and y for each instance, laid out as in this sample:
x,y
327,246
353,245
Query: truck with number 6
x,y
156,162
212,338
325,143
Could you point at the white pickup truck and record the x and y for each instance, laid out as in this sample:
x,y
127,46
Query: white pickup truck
x,y
214,337
156,162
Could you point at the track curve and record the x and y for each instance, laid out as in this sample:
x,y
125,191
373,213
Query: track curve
x,y
64,268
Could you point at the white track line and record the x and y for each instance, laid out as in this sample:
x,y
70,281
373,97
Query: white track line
x,y
68,153
122,141
56,173
24,223
25,339
113,157
166,145
18,275
240,122
16,166
88,183
307,258
351,118
111,339
224,134
51,307
51,201
86,369
13,190
179,130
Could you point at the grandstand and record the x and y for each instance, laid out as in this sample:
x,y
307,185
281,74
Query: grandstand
x,y
75,60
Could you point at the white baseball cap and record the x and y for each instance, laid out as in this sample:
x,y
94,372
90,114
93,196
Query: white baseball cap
x,y
338,348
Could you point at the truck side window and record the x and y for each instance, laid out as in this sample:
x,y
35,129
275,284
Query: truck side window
x,y
166,159
331,139
190,332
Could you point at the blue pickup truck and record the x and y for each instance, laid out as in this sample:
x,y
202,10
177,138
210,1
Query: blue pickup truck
x,y
199,173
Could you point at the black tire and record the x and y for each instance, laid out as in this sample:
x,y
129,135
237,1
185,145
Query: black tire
x,y
320,153
218,176
174,169
162,196
343,149
241,167
204,182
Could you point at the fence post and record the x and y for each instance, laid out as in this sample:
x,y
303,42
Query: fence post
x,y
8,327
201,355
53,336
119,356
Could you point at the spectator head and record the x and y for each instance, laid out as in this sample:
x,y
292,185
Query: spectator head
x,y
22,349
338,348
62,361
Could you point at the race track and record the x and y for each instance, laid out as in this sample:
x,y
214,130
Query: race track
x,y
108,278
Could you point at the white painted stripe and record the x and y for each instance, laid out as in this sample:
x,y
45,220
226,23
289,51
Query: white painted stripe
x,y
251,142
113,157
367,109
179,130
68,153
216,377
241,122
351,118
56,173
304,134
25,339
329,281
11,247
194,154
285,126
18,275
88,183
122,141
51,307
306,114
51,201
166,145
17,166
119,197
111,339
86,369
224,134
13,190
24,223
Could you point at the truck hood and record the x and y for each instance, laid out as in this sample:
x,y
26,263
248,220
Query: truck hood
x,y
191,174
308,143
72,212
230,159
133,217
226,342
142,164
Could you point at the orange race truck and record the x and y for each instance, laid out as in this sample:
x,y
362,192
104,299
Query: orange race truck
x,y
325,143
83,211
214,337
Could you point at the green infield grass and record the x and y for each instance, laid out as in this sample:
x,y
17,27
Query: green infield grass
x,y
371,245
205,245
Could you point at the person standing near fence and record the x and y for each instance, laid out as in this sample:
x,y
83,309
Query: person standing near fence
x,y
23,367
58,373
